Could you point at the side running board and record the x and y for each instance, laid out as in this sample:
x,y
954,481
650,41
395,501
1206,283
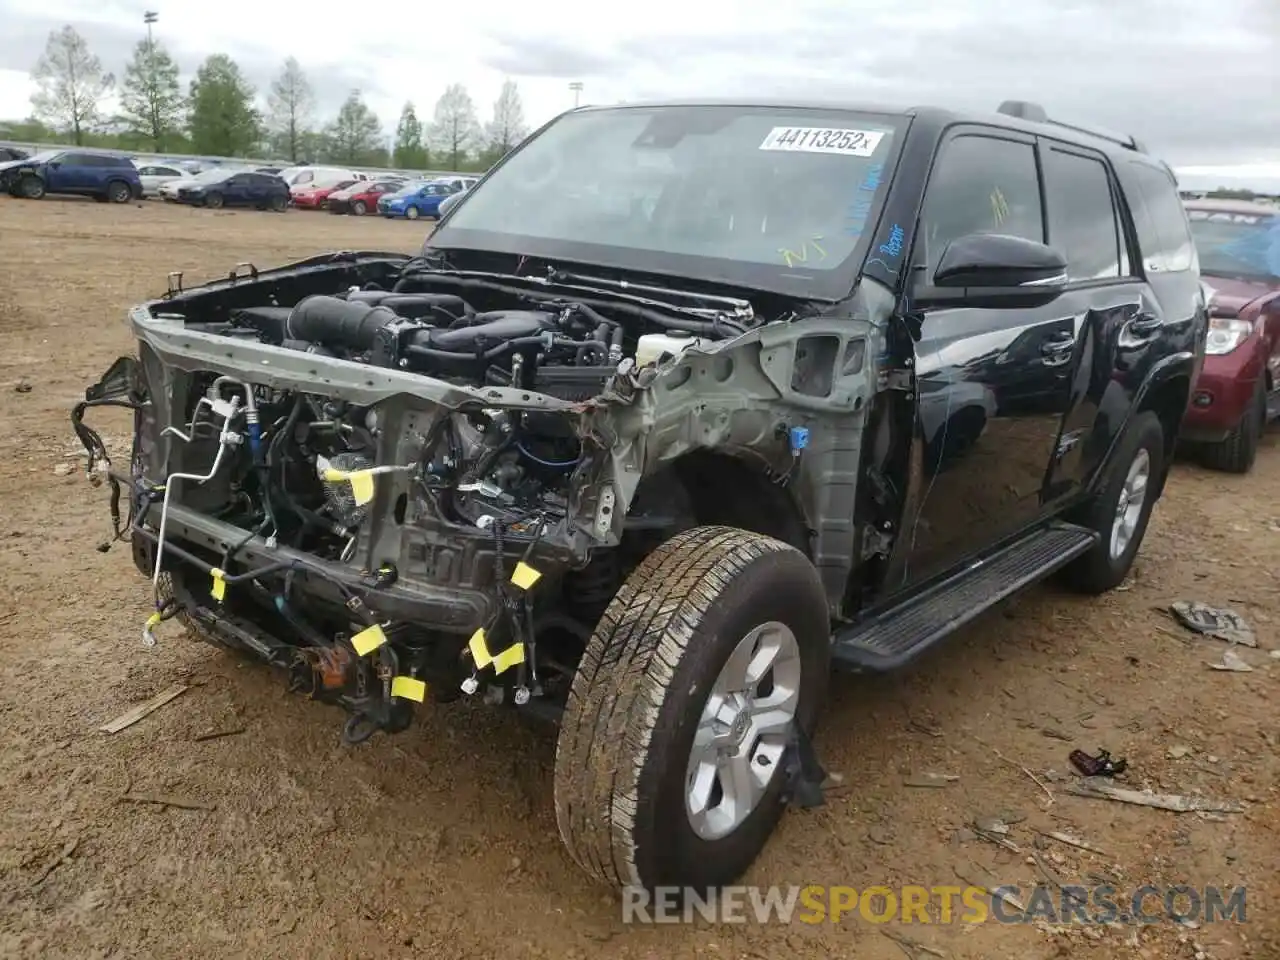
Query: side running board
x,y
891,638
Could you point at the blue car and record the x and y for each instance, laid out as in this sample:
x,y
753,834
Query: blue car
x,y
103,176
421,198
236,188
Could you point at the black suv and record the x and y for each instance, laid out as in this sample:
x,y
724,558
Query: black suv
x,y
768,387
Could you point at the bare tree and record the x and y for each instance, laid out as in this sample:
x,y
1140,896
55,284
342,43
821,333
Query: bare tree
x,y
454,129
289,104
71,82
507,128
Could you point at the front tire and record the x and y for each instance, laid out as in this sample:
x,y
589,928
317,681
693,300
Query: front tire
x,y
119,192
31,187
1239,450
358,208
1120,511
411,213
213,201
666,772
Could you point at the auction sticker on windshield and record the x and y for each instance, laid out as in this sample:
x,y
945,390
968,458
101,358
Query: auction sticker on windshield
x,y
852,143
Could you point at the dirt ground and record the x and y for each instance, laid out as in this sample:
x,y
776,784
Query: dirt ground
x,y
441,842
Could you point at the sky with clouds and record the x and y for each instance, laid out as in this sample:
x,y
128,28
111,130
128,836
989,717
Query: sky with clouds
x,y
1197,81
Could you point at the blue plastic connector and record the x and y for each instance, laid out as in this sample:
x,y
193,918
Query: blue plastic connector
x,y
799,437
255,440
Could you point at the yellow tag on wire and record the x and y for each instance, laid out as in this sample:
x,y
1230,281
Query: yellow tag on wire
x,y
479,652
154,621
524,576
219,588
409,688
505,660
361,486
368,640
508,658
361,482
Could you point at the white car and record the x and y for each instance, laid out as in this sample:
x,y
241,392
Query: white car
x,y
156,175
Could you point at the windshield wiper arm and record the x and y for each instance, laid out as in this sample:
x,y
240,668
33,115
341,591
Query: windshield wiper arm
x,y
737,304
742,310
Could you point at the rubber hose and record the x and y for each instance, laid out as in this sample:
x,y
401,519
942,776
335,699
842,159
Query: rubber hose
x,y
330,320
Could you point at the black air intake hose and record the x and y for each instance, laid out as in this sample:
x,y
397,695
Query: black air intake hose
x,y
333,321
414,304
490,329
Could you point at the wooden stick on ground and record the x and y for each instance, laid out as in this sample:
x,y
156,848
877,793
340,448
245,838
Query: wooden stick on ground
x,y
130,717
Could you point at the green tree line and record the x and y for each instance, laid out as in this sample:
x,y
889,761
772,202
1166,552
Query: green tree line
x,y
220,114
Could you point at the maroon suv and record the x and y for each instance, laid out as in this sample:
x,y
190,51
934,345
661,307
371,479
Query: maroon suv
x,y
1239,247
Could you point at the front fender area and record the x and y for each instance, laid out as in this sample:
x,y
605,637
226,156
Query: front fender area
x,y
1166,391
788,399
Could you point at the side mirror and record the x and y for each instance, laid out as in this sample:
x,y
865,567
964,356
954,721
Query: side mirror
x,y
996,270
54,164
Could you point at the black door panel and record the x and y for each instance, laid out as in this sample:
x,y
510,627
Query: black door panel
x,y
993,387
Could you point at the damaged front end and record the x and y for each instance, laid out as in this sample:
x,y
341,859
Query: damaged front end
x,y
386,479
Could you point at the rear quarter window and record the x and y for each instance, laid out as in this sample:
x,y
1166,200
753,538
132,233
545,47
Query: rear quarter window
x,y
1164,234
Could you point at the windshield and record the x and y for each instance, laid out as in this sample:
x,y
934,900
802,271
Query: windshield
x,y
768,197
211,176
1244,245
409,188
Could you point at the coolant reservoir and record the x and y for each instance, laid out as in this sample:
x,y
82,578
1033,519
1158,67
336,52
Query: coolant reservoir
x,y
653,346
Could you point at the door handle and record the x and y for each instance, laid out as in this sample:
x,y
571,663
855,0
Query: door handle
x,y
1057,351
1145,324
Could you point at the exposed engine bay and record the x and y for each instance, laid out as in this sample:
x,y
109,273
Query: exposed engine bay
x,y
381,476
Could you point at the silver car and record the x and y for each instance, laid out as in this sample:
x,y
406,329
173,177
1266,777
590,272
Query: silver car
x,y
156,175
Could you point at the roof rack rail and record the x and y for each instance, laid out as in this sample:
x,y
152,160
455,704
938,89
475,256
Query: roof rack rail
x,y
1033,112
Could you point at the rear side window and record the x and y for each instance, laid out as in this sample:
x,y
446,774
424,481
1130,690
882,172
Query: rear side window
x,y
1083,224
1163,232
982,184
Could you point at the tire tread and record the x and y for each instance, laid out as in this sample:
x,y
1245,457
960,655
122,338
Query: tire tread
x,y
621,684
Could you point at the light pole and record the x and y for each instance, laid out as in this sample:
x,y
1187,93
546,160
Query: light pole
x,y
576,87
149,17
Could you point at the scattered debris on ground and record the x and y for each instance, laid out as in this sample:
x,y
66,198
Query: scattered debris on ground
x,y
929,779
1105,790
132,716
1221,624
1097,766
1232,662
176,802
68,849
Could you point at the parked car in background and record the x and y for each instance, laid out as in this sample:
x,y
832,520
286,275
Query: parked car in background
x,y
12,153
457,184
1238,243
105,177
361,197
169,190
318,176
242,188
316,198
420,198
155,175
451,201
